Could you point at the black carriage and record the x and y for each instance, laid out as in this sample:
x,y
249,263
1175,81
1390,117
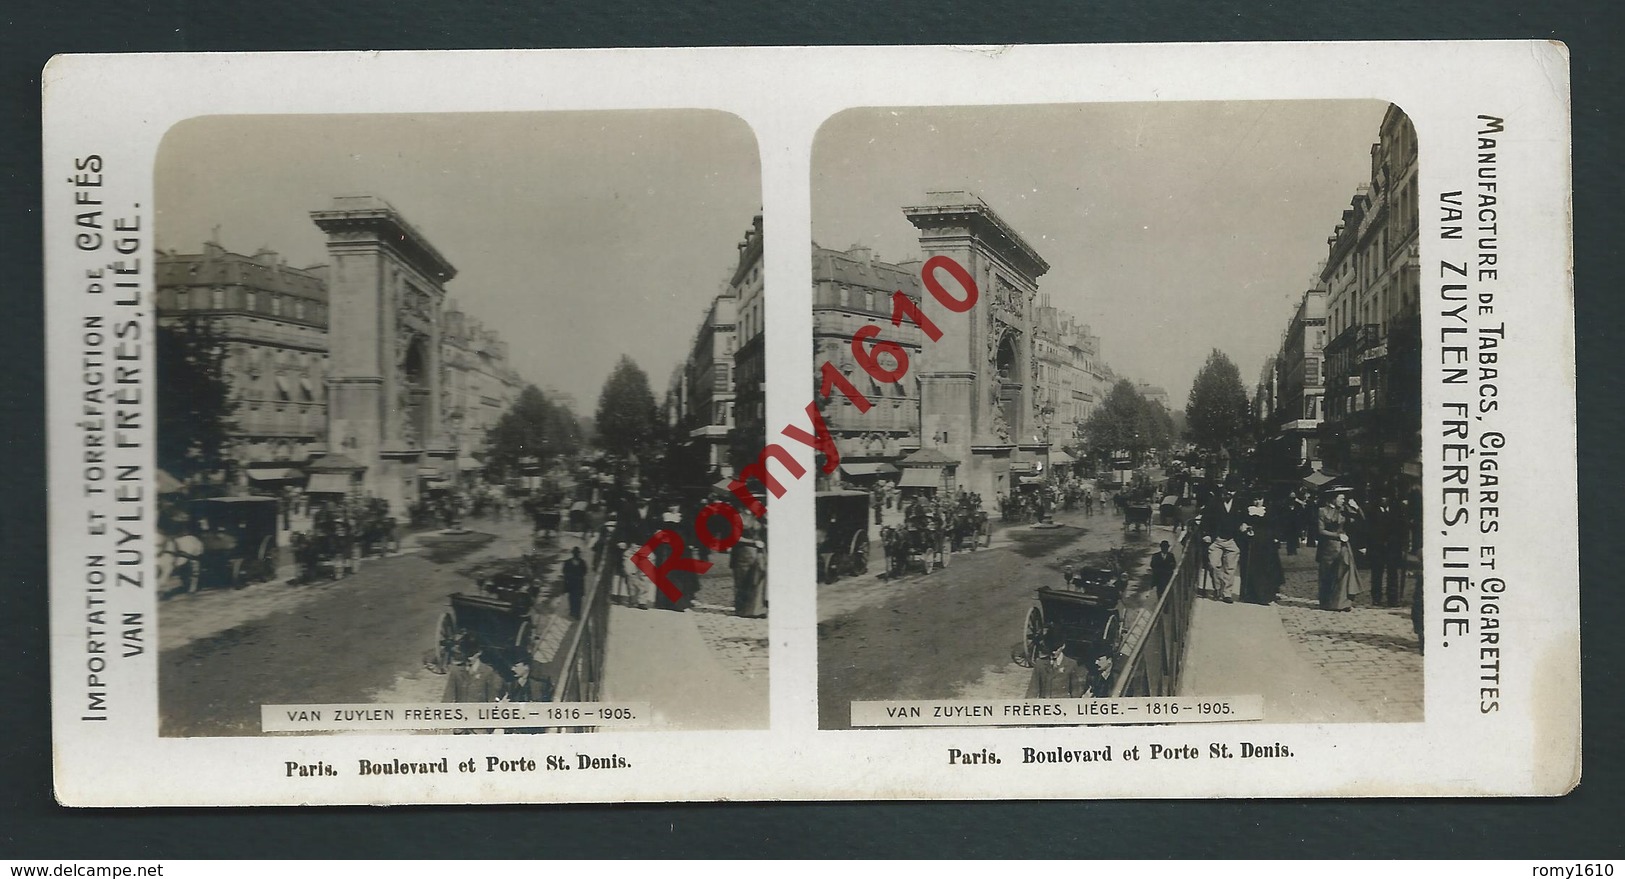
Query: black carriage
x,y
1080,624
1136,517
843,526
239,539
497,617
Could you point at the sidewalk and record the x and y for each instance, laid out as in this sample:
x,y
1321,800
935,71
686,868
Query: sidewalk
x,y
1309,664
1241,650
660,657
1370,653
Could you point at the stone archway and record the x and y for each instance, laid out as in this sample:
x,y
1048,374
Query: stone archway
x,y
386,292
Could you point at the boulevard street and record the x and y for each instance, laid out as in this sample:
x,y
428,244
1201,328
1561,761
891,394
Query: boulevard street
x,y
359,639
951,634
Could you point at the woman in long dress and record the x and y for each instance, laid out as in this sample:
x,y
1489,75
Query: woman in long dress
x,y
1332,555
1261,576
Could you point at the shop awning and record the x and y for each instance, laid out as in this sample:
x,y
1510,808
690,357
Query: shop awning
x,y
929,456
275,474
310,392
1060,457
168,484
282,386
467,463
1317,479
334,464
328,483
921,477
428,473
868,468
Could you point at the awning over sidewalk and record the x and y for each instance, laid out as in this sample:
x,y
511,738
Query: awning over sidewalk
x,y
275,474
921,477
168,484
328,483
868,468
467,463
1060,457
1317,479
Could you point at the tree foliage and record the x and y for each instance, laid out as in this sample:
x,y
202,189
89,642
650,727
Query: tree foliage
x,y
535,427
1216,415
1126,421
194,399
628,423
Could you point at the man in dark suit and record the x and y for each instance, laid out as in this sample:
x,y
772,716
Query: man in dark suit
x,y
1221,523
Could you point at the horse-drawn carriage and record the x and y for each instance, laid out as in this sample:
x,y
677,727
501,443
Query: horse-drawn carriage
x,y
1137,508
969,526
1073,633
497,617
920,542
341,533
239,540
843,533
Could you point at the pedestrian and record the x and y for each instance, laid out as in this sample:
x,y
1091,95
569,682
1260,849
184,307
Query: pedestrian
x,y
749,565
1163,563
1384,552
1292,521
575,580
473,677
1332,554
606,540
1221,524
1310,523
1261,576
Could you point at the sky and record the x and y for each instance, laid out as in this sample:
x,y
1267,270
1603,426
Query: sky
x,y
1171,229
579,237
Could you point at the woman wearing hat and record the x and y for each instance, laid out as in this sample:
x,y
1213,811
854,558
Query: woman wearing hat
x,y
1261,574
1332,553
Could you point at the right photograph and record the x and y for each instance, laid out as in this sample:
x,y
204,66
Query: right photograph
x,y
1127,399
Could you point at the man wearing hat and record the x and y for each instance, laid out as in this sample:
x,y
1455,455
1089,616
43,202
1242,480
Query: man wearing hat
x,y
1221,523
575,580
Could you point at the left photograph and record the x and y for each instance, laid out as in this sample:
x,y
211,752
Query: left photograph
x,y
425,385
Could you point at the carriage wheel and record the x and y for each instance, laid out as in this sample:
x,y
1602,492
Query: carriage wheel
x,y
266,564
859,554
445,638
236,574
1113,632
1032,637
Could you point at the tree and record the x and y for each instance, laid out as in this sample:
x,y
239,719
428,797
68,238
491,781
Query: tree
x,y
1126,421
1216,415
628,423
535,427
194,399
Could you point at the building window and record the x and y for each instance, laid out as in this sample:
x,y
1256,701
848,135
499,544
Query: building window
x,y
217,298
299,308
251,300
276,305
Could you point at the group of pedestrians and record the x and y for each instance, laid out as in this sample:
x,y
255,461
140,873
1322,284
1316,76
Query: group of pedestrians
x,y
622,533
1243,536
1243,541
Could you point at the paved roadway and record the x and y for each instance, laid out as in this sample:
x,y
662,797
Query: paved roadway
x,y
951,634
223,653
363,639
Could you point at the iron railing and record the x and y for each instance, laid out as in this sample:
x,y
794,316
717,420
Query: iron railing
x,y
1157,641
579,664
